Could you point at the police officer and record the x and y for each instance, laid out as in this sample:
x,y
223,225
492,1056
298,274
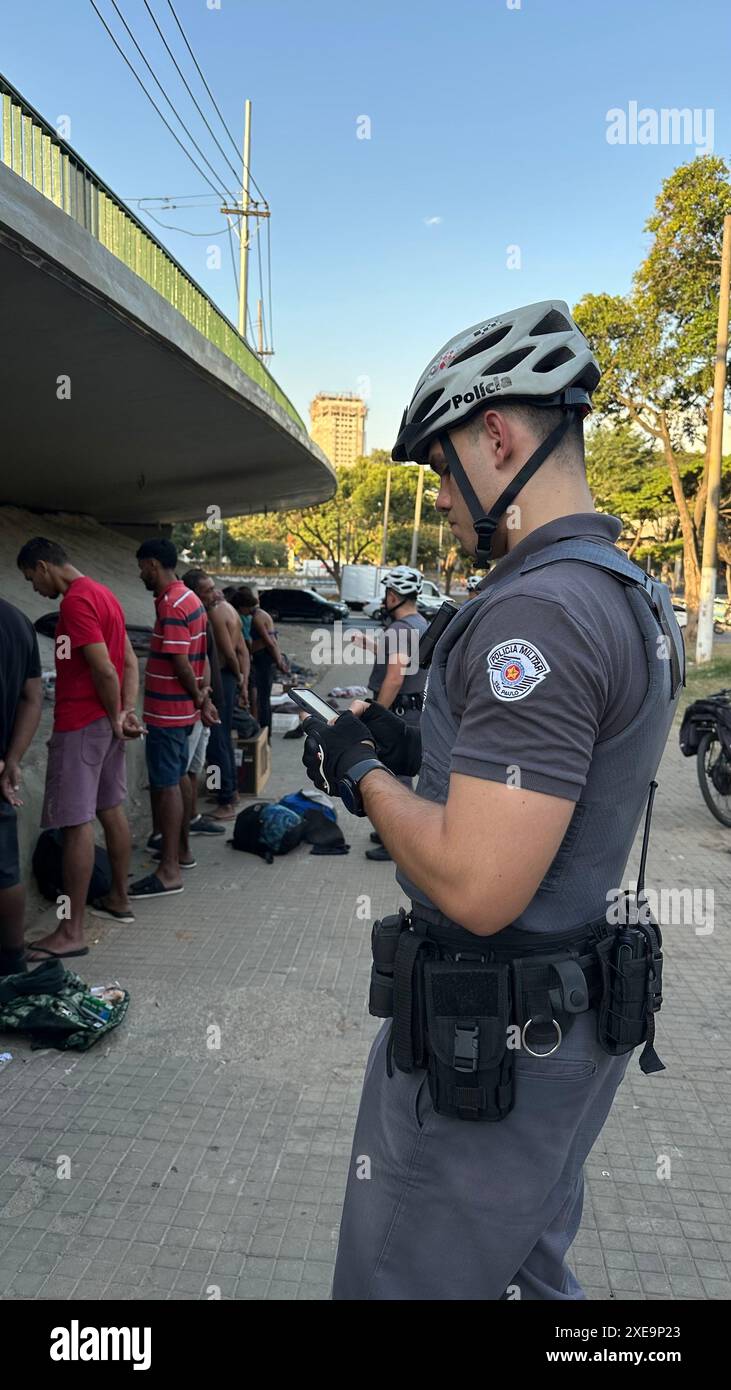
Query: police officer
x,y
549,700
398,682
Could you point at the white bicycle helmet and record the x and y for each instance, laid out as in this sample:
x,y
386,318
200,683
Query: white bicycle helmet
x,y
403,580
534,355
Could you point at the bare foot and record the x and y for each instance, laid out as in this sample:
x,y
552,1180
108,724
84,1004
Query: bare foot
x,y
60,942
114,903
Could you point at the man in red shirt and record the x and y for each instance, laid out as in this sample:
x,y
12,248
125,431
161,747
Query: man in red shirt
x,y
177,696
96,691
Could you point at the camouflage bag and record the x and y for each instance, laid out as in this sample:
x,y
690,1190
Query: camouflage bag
x,y
57,1009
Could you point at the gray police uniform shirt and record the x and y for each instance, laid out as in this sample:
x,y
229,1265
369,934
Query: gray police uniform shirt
x,y
407,642
553,671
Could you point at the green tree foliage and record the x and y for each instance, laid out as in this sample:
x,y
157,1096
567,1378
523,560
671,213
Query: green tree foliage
x,y
657,344
628,478
349,528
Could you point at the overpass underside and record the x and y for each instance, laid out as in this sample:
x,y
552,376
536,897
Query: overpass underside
x,y
113,404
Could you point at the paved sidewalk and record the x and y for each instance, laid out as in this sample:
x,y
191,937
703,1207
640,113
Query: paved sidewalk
x,y
199,1171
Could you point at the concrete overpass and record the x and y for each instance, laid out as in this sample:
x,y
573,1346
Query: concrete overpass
x,y
127,395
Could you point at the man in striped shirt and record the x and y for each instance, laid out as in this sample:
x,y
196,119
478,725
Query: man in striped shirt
x,y
176,697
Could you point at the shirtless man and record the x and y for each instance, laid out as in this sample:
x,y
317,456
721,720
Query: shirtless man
x,y
265,651
234,659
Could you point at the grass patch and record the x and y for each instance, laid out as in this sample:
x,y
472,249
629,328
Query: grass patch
x,y
706,680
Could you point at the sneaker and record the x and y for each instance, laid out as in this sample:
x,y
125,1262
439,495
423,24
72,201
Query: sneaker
x,y
381,855
154,841
203,825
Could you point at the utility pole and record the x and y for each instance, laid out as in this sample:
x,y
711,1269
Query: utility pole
x,y
386,506
417,515
248,209
704,640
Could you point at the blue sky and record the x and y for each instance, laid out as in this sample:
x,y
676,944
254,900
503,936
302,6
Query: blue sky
x,y
488,116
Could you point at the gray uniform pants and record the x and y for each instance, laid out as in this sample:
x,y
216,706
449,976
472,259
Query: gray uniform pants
x,y
440,1208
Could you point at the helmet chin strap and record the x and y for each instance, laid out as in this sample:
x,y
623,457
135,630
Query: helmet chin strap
x,y
485,525
408,598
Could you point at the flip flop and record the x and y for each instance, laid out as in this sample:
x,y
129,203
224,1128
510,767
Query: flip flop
x,y
56,955
97,909
151,887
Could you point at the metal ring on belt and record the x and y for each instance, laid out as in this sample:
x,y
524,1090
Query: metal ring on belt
x,y
551,1050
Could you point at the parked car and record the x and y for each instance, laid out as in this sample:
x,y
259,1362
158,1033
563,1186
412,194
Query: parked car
x,y
428,603
302,605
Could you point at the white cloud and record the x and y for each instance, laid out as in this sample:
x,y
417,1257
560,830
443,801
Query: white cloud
x,y
432,221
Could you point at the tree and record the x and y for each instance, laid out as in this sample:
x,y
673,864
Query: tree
x,y
348,529
628,477
657,345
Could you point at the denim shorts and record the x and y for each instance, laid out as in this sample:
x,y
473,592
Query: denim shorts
x,y
197,745
166,751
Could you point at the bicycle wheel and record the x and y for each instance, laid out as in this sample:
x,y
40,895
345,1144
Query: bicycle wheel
x,y
711,759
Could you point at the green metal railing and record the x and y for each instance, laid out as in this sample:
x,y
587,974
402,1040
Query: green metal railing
x,y
33,149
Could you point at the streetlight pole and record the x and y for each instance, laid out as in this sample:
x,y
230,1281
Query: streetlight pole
x,y
417,515
386,506
704,641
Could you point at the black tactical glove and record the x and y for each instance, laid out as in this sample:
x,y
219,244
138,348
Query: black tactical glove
x,y
332,749
398,744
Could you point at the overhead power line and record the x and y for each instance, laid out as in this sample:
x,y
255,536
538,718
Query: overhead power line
x,y
152,101
180,199
171,227
213,99
183,79
261,284
233,257
269,281
158,83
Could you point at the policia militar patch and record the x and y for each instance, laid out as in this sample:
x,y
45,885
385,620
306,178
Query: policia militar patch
x,y
515,668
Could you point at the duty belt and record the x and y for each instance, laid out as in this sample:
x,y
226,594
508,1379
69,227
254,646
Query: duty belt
x,y
414,700
462,1005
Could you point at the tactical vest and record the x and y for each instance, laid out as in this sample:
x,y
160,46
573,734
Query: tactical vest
x,y
592,857
413,682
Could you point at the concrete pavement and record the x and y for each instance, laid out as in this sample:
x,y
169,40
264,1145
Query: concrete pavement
x,y
208,1138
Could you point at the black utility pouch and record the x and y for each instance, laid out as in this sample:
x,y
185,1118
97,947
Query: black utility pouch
x,y
631,967
384,943
470,1066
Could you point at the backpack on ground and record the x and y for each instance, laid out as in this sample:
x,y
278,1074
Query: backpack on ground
x,y
266,829
303,801
320,828
57,1009
48,868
